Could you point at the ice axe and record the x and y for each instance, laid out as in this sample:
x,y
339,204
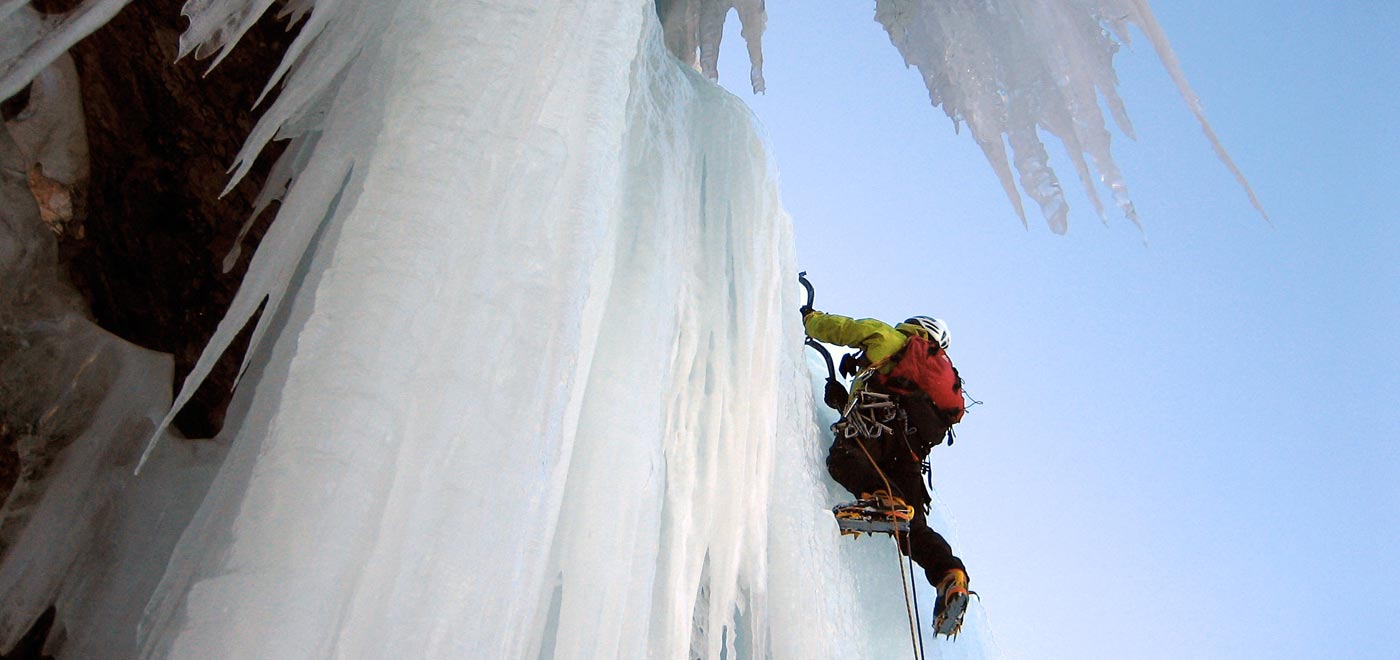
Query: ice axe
x,y
836,395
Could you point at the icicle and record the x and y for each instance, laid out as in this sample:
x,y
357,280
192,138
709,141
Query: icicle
x,y
321,65
693,26
30,42
1011,68
1148,22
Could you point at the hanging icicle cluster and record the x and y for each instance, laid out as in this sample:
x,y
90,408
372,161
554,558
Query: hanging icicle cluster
x,y
694,29
1010,70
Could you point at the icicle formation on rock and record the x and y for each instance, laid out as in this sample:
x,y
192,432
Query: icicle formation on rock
x,y
1010,68
79,536
694,29
1006,68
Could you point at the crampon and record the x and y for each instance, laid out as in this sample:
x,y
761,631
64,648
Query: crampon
x,y
953,597
873,515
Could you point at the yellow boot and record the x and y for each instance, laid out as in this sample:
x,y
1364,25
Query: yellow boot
x,y
895,507
952,600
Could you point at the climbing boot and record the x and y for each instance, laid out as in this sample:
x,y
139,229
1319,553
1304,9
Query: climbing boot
x,y
951,605
894,507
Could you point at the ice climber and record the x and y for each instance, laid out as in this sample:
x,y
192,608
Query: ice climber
x,y
904,400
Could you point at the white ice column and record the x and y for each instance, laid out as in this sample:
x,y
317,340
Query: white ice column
x,y
546,185
430,388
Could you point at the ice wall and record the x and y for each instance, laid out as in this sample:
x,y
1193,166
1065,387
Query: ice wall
x,y
537,388
530,383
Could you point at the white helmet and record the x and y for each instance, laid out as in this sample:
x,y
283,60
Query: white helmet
x,y
937,330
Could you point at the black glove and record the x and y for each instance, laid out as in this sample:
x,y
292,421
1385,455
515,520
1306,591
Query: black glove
x,y
850,366
806,309
835,396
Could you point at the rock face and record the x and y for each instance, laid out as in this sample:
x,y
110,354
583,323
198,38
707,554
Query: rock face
x,y
141,232
147,256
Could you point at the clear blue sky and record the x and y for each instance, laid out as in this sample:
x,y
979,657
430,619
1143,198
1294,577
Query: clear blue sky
x,y
1188,449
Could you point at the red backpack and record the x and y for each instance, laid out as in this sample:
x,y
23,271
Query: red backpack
x,y
923,365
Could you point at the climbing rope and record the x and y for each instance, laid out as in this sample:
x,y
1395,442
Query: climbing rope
x,y
916,605
904,582
915,635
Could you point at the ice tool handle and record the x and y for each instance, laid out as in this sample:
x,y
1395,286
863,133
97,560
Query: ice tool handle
x,y
835,395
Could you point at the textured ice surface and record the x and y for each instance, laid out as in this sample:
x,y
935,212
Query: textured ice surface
x,y
530,383
530,348
538,358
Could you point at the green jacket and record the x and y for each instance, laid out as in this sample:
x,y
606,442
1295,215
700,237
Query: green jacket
x,y
878,339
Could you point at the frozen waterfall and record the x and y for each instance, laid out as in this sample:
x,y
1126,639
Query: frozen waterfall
x,y
1012,71
534,368
531,383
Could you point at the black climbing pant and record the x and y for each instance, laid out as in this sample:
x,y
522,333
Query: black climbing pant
x,y
850,466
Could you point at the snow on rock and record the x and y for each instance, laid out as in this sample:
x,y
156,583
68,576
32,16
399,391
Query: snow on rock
x,y
76,529
46,123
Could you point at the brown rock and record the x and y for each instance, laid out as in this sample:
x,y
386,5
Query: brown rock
x,y
161,135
